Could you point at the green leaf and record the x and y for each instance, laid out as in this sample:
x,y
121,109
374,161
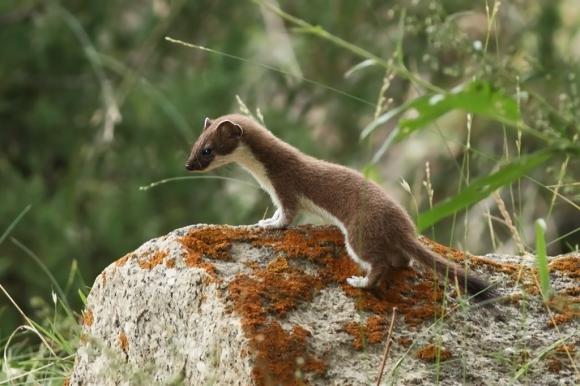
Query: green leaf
x,y
477,97
483,187
542,259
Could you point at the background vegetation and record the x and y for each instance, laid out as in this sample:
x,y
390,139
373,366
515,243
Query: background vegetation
x,y
95,103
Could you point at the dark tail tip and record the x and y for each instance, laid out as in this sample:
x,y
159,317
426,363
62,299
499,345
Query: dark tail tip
x,y
480,289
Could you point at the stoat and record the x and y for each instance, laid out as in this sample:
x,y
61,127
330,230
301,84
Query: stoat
x,y
379,235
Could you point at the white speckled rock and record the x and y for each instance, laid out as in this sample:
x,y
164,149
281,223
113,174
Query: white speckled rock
x,y
160,324
171,313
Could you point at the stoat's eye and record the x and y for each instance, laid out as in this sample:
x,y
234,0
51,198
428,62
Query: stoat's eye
x,y
207,151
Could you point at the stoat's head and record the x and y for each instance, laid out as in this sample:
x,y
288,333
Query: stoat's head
x,y
215,146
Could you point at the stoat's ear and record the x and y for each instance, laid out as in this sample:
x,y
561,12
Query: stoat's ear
x,y
207,123
230,129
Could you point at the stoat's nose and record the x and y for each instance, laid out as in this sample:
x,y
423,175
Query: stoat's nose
x,y
189,166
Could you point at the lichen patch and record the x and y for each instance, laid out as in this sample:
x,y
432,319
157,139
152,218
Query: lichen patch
x,y
123,342
123,260
282,357
433,353
87,318
559,358
373,331
569,265
153,260
276,350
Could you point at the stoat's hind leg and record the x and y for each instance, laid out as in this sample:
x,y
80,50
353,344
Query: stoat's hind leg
x,y
380,270
369,281
372,274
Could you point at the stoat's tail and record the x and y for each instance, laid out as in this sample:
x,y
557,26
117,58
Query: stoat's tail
x,y
480,289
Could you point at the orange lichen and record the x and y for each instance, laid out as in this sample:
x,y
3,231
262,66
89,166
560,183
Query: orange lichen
x,y
170,263
567,308
278,265
432,353
83,339
87,318
214,242
554,365
559,319
572,291
416,300
152,260
404,341
568,265
371,332
255,299
376,329
357,330
449,252
560,357
66,382
280,355
565,349
194,259
123,342
121,262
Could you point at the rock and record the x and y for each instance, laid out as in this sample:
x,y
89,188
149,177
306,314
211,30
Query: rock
x,y
241,305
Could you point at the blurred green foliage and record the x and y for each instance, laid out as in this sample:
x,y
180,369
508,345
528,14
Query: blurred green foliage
x,y
94,103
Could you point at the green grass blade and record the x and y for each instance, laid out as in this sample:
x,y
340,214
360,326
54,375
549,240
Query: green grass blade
x,y
13,223
384,119
47,272
180,178
83,297
360,66
483,187
542,259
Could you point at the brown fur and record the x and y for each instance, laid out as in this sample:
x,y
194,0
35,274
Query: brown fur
x,y
379,234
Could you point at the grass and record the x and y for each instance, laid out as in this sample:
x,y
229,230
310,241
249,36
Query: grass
x,y
24,361
49,362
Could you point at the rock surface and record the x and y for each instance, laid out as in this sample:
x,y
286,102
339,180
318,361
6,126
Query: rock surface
x,y
239,306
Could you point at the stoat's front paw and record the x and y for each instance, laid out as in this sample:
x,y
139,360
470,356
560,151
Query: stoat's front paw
x,y
264,222
358,281
270,223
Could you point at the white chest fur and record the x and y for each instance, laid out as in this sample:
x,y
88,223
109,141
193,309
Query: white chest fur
x,y
243,156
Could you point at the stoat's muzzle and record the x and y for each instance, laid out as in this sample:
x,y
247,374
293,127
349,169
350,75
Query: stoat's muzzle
x,y
189,165
198,163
